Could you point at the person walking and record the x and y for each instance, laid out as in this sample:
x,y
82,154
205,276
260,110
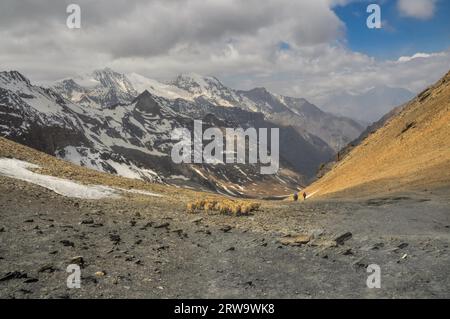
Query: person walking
x,y
304,195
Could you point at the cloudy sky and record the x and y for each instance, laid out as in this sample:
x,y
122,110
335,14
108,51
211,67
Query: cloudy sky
x,y
307,48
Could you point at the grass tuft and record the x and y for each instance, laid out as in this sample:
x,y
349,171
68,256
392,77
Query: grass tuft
x,y
222,206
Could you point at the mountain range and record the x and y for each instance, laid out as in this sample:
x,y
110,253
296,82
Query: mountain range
x,y
106,87
122,124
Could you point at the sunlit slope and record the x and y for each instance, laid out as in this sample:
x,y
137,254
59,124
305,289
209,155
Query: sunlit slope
x,y
411,151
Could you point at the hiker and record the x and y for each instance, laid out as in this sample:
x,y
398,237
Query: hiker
x,y
304,195
295,196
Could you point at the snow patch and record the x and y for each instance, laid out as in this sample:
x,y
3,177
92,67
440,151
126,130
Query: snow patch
x,y
171,92
138,191
199,172
179,177
20,170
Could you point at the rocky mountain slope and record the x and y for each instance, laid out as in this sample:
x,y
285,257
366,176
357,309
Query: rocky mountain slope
x,y
410,151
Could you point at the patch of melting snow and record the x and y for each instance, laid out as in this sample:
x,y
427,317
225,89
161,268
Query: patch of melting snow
x,y
179,177
199,172
138,191
18,169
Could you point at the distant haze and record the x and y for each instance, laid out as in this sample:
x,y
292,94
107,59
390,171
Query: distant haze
x,y
369,106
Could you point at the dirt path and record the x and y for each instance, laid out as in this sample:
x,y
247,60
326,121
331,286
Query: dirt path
x,y
149,247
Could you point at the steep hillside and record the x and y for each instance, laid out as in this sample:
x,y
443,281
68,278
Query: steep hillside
x,y
410,151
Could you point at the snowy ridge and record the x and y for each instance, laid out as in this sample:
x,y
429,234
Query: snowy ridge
x,y
206,91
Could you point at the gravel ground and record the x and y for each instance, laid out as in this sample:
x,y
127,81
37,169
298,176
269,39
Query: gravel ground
x,y
145,247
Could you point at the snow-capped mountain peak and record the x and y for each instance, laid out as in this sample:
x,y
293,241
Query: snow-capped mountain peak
x,y
13,78
165,90
206,88
111,79
194,82
101,88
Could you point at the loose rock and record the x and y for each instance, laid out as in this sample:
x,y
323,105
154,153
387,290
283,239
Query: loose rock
x,y
13,275
67,243
226,228
295,240
163,225
78,260
340,240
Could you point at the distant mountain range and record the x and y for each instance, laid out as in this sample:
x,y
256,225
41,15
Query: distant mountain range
x,y
369,106
103,88
122,124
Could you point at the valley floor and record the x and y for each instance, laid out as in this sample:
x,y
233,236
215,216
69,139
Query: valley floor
x,y
150,248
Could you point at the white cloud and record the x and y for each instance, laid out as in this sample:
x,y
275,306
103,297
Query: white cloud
x,y
420,9
418,55
237,41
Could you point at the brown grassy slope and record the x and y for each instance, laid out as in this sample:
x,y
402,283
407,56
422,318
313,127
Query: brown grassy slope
x,y
411,151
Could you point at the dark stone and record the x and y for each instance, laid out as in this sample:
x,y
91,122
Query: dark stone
x,y
13,275
67,243
88,221
115,238
49,268
31,280
163,225
340,240
226,228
